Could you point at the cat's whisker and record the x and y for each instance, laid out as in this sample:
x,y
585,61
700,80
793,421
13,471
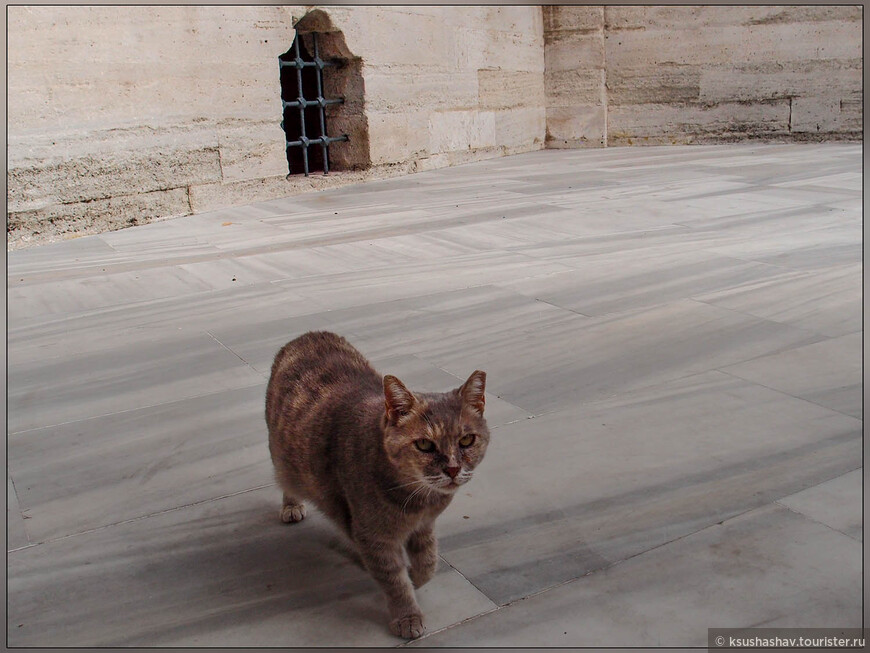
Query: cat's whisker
x,y
412,495
401,485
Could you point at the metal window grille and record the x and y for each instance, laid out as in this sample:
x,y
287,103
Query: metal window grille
x,y
300,103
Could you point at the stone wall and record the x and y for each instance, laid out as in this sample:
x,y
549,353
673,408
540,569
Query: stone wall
x,y
446,85
652,75
119,114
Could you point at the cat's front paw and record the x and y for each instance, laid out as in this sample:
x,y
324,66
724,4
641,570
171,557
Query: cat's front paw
x,y
290,514
409,627
421,575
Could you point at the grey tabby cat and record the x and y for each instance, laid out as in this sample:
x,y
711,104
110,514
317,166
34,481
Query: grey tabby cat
x,y
381,461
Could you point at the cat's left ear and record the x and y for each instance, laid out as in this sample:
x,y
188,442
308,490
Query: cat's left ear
x,y
473,392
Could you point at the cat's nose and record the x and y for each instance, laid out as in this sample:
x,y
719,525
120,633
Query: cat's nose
x,y
452,471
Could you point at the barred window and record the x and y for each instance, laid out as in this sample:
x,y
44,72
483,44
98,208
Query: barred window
x,y
305,106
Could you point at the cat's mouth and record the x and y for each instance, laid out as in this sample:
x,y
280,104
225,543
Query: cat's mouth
x,y
447,488
450,485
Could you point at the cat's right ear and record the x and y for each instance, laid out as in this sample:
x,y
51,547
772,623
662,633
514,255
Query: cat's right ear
x,y
473,392
398,399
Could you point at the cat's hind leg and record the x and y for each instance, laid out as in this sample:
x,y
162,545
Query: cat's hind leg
x,y
292,510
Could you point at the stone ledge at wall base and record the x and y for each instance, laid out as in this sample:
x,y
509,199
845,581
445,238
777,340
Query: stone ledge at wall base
x,y
728,138
65,221
58,222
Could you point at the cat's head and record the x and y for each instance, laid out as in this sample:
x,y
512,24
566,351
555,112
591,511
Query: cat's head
x,y
435,441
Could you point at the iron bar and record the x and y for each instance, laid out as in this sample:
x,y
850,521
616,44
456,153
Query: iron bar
x,y
321,108
301,104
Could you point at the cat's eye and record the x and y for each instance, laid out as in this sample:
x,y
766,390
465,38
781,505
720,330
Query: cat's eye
x,y
466,440
424,445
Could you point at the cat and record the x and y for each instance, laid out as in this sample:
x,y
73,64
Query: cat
x,y
380,461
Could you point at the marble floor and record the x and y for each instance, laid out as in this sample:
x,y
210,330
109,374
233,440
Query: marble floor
x,y
673,342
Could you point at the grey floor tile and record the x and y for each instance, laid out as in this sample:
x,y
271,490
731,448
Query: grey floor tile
x,y
78,250
558,365
767,566
605,481
222,573
91,473
64,336
615,283
164,366
838,503
257,342
60,296
805,247
835,379
827,302
344,290
135,405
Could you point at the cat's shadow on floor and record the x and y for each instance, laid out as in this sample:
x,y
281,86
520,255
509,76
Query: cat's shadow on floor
x,y
246,565
254,554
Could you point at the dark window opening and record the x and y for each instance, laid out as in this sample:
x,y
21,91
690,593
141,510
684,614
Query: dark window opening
x,y
305,106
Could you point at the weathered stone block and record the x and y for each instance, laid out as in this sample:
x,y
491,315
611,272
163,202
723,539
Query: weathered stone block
x,y
669,124
504,89
572,18
461,130
506,18
575,50
461,157
813,115
578,126
395,137
433,162
388,35
57,221
735,45
852,113
251,150
626,17
211,197
572,87
109,65
388,90
775,80
482,48
525,126
41,181
661,84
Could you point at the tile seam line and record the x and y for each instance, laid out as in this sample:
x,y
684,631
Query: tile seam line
x,y
451,626
816,521
19,511
287,281
142,517
799,273
822,336
130,410
377,233
55,319
213,337
787,394
496,607
616,563
529,414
